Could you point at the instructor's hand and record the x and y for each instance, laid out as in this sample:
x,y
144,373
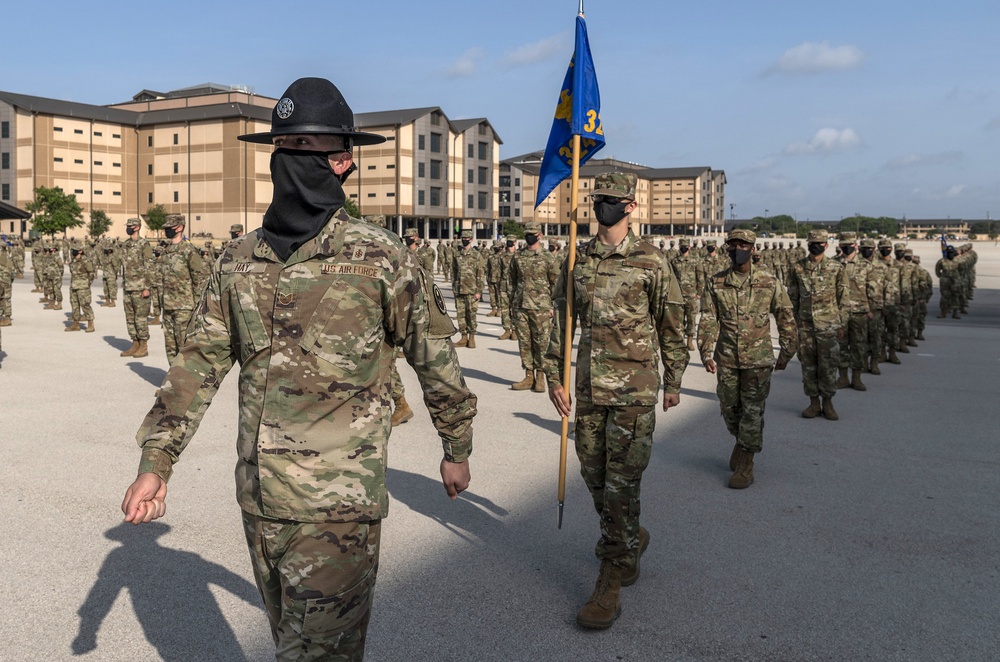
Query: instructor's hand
x,y
561,399
455,476
710,366
671,400
145,499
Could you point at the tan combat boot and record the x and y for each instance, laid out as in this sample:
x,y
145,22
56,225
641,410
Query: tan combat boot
x,y
505,335
735,455
472,341
943,314
142,350
539,386
463,342
75,326
873,366
90,326
526,383
812,411
893,359
911,342
513,334
920,335
829,413
630,577
5,322
605,603
902,348
131,350
48,305
856,383
403,412
955,316
112,304
691,346
742,477
842,381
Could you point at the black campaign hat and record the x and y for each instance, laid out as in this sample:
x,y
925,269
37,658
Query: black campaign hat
x,y
313,106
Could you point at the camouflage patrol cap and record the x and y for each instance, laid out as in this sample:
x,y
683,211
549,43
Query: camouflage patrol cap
x,y
671,242
684,241
511,237
900,246
532,228
884,243
817,237
411,232
173,220
916,258
615,184
710,242
236,227
748,236
867,242
376,219
847,237
466,234
908,251
133,223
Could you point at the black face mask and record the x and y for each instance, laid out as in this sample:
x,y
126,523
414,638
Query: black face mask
x,y
75,253
531,239
710,249
466,242
132,230
410,241
169,233
907,258
510,244
885,252
817,249
552,249
608,213
951,255
899,255
739,257
685,249
234,235
756,258
306,194
847,250
867,252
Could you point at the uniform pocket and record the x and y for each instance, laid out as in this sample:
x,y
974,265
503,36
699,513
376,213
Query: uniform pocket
x,y
250,335
338,613
342,328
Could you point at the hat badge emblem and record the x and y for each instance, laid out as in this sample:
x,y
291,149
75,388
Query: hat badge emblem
x,y
284,108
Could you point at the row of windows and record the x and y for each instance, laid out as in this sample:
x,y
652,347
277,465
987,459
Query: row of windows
x,y
58,129
79,191
435,197
505,212
59,159
435,142
390,166
483,200
484,151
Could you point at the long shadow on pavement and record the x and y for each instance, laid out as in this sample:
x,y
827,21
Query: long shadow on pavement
x,y
472,373
152,375
169,590
120,344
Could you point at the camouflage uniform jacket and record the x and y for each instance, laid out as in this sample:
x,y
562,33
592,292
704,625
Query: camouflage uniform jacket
x,y
110,265
736,314
708,266
504,263
81,273
181,269
54,266
493,268
312,337
468,274
137,263
6,269
819,294
926,283
907,284
859,285
892,293
879,294
686,269
947,271
426,255
628,305
533,275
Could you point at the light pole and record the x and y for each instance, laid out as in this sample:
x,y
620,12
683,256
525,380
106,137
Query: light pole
x,y
767,226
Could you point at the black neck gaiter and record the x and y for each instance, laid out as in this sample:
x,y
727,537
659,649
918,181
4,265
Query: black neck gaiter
x,y
306,194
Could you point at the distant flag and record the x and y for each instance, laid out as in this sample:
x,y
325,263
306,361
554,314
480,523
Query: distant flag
x,y
944,243
578,112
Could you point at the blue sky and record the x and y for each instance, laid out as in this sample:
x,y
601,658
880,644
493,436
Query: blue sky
x,y
815,110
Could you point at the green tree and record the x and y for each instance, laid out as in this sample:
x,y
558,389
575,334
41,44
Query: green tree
x,y
351,207
99,223
155,217
54,211
510,226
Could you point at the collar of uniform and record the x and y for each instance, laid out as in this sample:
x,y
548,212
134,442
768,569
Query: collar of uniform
x,y
328,242
738,280
602,251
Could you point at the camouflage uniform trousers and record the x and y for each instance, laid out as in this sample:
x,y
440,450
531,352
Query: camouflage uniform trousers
x,y
691,316
6,290
920,318
467,309
318,583
891,337
395,384
155,301
505,312
949,296
39,282
110,288
533,330
136,314
854,346
79,300
876,335
819,352
905,321
614,445
742,393
494,295
175,326
53,288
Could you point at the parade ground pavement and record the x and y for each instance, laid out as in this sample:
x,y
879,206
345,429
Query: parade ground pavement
x,y
871,538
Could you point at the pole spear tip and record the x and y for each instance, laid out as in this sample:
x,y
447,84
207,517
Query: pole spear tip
x,y
580,11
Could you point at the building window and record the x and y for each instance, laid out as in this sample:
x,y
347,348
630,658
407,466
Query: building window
x,y
482,129
78,191
4,129
98,163
116,165
116,136
5,161
57,128
421,170
371,195
149,141
517,197
420,197
176,170
78,161
118,193
6,192
484,200
435,196
78,131
435,142
149,168
517,181
372,167
176,139
58,159
149,198
390,195
471,199
483,176
435,119
517,211
176,196
472,176
98,134
472,151
504,181
391,166
435,170
98,192
420,141
484,151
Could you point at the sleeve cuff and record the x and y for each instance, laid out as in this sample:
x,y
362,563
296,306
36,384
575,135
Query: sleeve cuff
x,y
156,461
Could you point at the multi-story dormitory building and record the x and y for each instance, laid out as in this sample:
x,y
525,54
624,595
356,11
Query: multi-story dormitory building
x,y
672,201
179,149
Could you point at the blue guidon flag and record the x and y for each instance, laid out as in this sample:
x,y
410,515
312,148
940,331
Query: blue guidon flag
x,y
578,113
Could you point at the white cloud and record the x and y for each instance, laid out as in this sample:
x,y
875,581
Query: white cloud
x,y
955,191
466,64
911,160
759,166
826,140
539,51
814,58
